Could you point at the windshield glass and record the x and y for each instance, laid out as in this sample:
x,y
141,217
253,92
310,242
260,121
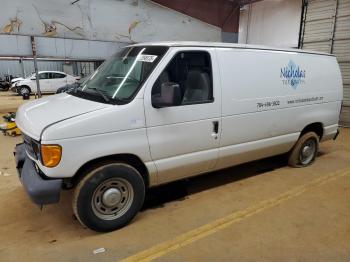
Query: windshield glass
x,y
120,77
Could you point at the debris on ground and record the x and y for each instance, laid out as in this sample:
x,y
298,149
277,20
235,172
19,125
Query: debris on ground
x,y
9,126
99,250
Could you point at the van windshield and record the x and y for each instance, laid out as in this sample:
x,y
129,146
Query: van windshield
x,y
119,78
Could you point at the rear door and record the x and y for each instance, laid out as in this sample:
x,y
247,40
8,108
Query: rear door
x,y
58,80
45,82
184,139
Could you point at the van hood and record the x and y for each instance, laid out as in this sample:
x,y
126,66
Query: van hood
x,y
33,117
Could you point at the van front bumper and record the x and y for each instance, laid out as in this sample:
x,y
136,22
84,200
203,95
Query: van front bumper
x,y
40,191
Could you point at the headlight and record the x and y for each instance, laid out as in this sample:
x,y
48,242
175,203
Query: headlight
x,y
51,155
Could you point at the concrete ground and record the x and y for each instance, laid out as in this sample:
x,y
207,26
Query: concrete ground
x,y
261,211
9,101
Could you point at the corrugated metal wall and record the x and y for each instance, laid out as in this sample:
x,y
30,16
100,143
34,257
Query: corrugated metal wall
x,y
270,22
10,68
24,68
53,53
15,68
326,27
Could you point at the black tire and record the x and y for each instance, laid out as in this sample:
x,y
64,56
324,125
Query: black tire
x,y
89,196
4,88
297,156
23,90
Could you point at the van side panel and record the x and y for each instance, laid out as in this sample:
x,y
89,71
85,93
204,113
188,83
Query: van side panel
x,y
270,96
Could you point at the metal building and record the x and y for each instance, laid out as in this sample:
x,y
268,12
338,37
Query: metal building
x,y
326,27
76,36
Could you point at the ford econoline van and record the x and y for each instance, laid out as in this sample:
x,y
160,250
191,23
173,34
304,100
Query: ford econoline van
x,y
158,112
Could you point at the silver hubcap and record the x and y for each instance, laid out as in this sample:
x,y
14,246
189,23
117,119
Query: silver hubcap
x,y
24,91
308,151
112,198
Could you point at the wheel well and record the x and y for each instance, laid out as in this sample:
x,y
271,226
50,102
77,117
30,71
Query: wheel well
x,y
314,127
130,159
25,86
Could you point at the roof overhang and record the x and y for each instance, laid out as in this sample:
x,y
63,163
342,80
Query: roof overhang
x,y
220,13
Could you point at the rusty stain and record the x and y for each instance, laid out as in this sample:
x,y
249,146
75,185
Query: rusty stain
x,y
50,28
119,36
132,26
14,24
74,29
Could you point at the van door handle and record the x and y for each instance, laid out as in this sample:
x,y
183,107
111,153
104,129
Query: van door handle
x,y
215,127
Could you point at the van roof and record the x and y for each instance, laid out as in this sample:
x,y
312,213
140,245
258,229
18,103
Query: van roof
x,y
228,45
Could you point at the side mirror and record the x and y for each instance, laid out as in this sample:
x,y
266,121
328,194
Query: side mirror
x,y
170,95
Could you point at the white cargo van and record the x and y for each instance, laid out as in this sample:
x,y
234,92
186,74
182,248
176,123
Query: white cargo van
x,y
158,112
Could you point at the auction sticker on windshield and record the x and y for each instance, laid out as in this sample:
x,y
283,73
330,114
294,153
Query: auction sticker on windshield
x,y
147,58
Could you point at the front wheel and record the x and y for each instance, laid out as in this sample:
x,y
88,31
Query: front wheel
x,y
24,90
109,197
304,151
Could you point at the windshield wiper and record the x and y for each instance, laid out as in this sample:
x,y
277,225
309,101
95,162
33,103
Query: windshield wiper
x,y
98,91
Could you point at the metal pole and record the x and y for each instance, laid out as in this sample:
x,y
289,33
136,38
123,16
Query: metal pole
x,y
35,66
301,42
302,22
22,67
334,26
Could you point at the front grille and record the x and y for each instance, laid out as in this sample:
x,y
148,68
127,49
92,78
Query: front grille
x,y
31,146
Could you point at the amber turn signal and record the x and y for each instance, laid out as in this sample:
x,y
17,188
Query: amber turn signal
x,y
51,155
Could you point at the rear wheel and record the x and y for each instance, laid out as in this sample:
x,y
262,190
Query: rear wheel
x,y
109,197
305,150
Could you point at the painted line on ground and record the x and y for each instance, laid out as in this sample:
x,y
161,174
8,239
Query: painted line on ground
x,y
221,223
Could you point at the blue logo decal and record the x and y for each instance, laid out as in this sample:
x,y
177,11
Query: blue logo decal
x,y
292,75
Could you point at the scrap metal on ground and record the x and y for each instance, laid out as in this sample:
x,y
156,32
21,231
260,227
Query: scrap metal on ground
x,y
9,127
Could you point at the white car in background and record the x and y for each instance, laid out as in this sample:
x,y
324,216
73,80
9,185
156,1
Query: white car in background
x,y
49,82
14,80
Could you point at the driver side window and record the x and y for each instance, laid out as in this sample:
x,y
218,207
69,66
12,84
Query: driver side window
x,y
192,71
